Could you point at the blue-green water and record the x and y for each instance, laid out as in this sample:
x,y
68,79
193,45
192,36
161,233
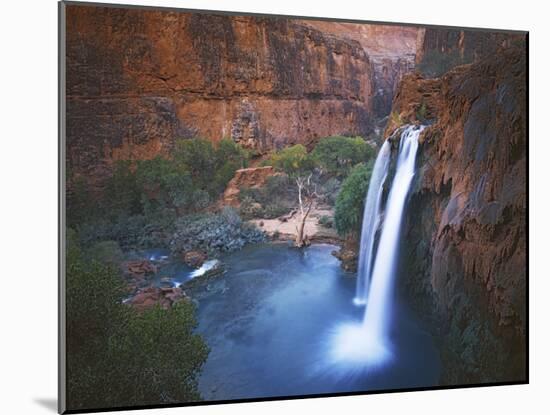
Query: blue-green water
x,y
270,322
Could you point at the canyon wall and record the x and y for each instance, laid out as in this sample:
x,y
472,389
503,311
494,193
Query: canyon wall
x,y
470,45
139,79
465,254
392,51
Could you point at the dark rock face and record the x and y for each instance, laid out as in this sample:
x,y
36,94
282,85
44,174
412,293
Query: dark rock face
x,y
392,52
473,45
139,79
465,259
388,72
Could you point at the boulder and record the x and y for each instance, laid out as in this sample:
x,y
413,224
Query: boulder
x,y
151,296
348,257
141,268
194,258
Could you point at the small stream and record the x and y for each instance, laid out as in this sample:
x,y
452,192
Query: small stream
x,y
270,320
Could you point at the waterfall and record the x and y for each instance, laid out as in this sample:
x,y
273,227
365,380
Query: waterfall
x,y
378,311
368,342
371,221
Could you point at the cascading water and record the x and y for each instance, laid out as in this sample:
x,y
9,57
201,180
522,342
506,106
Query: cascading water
x,y
369,342
371,221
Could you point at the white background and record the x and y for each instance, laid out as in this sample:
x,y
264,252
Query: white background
x,y
28,204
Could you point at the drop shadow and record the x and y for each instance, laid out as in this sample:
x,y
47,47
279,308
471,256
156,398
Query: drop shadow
x,y
48,403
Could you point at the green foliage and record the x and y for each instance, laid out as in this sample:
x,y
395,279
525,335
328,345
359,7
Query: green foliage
x,y
166,186
396,119
161,356
330,189
326,221
117,356
270,201
141,201
348,211
136,231
435,63
295,161
107,252
121,195
80,203
337,155
210,167
421,112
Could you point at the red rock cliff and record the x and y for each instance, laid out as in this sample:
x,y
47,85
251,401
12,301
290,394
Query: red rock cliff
x,y
138,79
465,236
392,51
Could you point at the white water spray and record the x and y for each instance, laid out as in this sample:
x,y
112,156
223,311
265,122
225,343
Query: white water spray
x,y
371,222
368,343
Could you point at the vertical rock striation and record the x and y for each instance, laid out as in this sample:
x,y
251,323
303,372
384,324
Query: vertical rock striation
x,y
465,251
138,79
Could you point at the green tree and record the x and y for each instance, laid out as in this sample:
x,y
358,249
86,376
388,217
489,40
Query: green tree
x,y
164,186
122,195
117,356
299,165
348,212
229,158
198,157
337,155
211,167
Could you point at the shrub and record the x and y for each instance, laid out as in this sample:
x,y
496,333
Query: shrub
x,y
107,252
421,112
210,167
337,155
135,231
396,119
122,194
106,338
165,186
348,211
326,221
294,161
80,203
330,189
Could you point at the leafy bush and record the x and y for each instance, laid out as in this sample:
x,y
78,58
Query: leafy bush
x,y
326,221
210,167
80,203
249,208
270,201
119,357
140,201
348,211
330,189
166,186
337,155
396,119
129,231
121,194
107,252
295,161
421,112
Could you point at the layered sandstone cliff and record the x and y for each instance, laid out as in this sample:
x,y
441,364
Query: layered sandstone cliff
x,y
139,79
465,235
392,51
